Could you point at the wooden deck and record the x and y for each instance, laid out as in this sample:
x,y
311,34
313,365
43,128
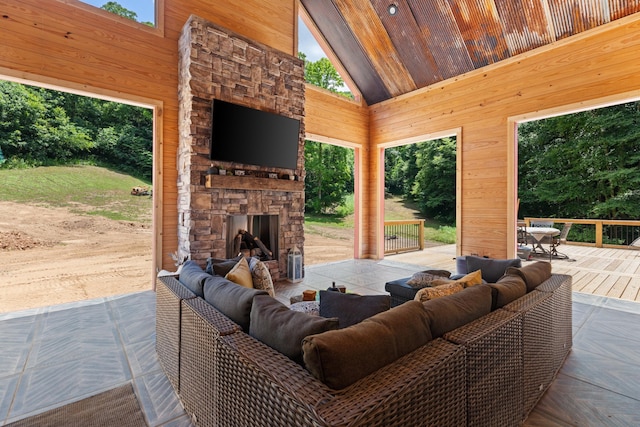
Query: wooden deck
x,y
598,271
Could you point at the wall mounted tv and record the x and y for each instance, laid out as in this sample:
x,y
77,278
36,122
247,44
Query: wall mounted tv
x,y
253,137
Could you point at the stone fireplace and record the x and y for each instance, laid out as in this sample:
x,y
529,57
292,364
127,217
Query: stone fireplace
x,y
216,63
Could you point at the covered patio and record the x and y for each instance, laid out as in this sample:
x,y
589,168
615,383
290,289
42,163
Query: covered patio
x,y
56,355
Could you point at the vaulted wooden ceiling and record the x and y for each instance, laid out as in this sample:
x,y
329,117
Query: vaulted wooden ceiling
x,y
428,41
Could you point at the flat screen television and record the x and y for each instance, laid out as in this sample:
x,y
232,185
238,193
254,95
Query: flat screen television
x,y
253,137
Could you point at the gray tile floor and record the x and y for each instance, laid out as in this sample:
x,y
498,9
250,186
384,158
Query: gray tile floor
x,y
56,355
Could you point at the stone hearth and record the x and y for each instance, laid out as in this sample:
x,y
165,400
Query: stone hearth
x,y
216,63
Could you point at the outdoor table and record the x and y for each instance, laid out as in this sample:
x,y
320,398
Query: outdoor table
x,y
539,233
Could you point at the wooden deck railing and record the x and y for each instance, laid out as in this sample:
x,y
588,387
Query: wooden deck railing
x,y
600,233
403,236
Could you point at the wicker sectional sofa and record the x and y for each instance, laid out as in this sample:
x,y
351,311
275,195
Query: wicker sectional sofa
x,y
489,371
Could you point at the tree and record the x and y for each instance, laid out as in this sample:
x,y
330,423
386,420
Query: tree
x,y
116,8
582,165
434,187
329,168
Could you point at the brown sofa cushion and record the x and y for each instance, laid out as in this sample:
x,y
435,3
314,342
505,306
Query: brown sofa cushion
x,y
448,313
509,288
340,358
533,274
352,308
231,299
283,329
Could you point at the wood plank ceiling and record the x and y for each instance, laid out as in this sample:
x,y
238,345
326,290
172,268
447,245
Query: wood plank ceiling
x,y
428,41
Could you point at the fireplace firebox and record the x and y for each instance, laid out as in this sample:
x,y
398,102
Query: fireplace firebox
x,y
253,235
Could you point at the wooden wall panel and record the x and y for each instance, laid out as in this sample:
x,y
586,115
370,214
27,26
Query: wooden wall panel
x,y
70,45
335,118
596,65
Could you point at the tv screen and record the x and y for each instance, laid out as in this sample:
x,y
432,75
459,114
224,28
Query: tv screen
x,y
253,137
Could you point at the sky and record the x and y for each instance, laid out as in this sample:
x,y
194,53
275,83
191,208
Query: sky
x,y
143,8
145,11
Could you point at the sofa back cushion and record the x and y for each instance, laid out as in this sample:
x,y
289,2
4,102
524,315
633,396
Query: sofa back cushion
x,y
448,313
283,329
231,299
351,308
492,269
193,277
340,358
221,266
533,274
509,288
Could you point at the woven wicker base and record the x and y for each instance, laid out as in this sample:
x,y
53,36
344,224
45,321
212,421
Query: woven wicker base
x,y
116,407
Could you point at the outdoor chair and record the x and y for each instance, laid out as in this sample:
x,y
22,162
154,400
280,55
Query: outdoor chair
x,y
560,239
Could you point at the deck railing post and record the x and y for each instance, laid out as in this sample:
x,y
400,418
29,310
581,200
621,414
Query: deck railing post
x,y
598,234
421,234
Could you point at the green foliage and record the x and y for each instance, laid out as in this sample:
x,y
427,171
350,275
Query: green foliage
x,y
44,127
329,176
425,173
582,165
323,74
86,189
116,8
443,234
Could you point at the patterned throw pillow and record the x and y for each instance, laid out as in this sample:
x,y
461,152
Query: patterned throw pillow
x,y
471,279
426,294
261,278
425,278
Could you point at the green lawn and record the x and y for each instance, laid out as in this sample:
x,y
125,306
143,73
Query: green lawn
x,y
85,189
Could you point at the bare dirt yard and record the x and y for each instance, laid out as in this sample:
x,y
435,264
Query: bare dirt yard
x,y
50,256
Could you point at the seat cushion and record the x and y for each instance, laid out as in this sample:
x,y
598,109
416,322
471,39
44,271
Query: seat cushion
x,y
231,299
492,269
350,308
533,274
283,329
340,358
448,313
193,277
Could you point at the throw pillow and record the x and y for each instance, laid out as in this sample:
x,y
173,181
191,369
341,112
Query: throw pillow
x,y
352,308
221,266
241,274
447,314
509,288
533,274
261,278
492,269
193,277
231,299
471,279
424,278
340,358
426,294
283,329
311,308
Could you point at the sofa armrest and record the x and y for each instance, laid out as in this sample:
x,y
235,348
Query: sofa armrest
x,y
169,294
494,367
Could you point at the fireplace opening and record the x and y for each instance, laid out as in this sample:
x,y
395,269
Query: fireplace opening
x,y
253,235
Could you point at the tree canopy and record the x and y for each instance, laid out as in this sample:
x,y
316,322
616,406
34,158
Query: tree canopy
x,y
45,127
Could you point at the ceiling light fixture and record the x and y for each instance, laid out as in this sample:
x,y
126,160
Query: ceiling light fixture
x,y
393,9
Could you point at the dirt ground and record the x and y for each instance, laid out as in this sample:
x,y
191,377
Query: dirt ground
x,y
50,256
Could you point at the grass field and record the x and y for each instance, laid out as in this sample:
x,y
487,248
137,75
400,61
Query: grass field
x,y
84,189
394,209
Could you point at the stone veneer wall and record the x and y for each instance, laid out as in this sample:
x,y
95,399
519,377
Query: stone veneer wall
x,y
216,63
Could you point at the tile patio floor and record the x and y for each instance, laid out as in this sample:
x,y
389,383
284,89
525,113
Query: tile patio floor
x,y
55,355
